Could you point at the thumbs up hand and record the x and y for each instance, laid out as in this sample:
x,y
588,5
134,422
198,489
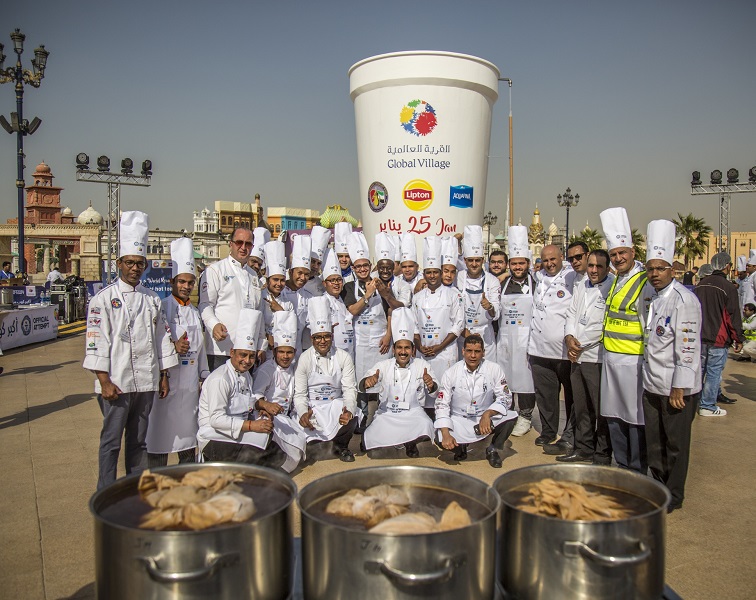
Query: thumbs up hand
x,y
485,303
182,344
427,379
372,380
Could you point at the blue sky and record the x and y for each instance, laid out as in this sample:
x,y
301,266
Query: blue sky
x,y
619,101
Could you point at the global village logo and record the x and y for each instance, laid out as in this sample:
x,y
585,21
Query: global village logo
x,y
377,196
418,118
417,194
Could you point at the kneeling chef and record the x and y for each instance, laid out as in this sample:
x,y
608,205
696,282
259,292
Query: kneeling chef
x,y
233,427
402,382
474,402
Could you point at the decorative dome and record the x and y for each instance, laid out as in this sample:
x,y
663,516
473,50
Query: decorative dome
x,y
536,211
43,169
90,217
553,229
66,212
334,214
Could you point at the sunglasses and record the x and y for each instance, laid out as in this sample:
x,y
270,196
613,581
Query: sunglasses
x,y
242,244
576,257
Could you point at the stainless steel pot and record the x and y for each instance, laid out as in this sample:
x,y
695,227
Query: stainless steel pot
x,y
542,557
254,559
344,562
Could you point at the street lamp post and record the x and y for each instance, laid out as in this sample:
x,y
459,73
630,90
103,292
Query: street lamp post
x,y
567,200
18,124
489,220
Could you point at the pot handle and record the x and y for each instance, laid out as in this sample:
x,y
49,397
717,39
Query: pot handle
x,y
415,579
584,550
213,563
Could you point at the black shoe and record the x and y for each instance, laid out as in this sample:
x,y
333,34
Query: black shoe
x,y
673,507
493,458
345,455
575,456
411,450
542,440
605,461
722,399
460,453
363,448
561,447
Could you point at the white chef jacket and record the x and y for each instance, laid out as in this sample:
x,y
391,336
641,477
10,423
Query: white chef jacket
x,y
465,396
749,290
127,337
225,403
315,286
309,361
227,287
585,317
472,291
552,298
268,312
299,299
671,322
343,324
402,291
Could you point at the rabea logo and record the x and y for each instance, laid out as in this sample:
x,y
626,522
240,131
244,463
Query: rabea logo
x,y
418,194
377,196
461,196
418,118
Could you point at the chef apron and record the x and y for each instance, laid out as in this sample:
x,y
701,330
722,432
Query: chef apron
x,y
324,394
476,319
172,425
343,330
399,418
514,334
434,325
287,432
369,327
468,404
239,405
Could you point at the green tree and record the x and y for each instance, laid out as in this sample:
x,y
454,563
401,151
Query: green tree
x,y
639,245
590,237
692,238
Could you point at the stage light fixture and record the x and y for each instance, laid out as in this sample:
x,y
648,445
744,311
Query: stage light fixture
x,y
752,174
82,162
696,180
732,175
103,164
716,177
127,166
147,168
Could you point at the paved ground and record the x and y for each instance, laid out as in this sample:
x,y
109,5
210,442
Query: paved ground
x,y
49,430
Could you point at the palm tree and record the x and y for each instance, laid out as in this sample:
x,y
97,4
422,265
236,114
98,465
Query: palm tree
x,y
692,237
639,245
590,237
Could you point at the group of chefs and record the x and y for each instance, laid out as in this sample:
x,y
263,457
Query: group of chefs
x,y
282,355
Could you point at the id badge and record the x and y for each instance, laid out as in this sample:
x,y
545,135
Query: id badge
x,y
471,410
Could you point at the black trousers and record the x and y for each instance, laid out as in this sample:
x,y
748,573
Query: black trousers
x,y
668,441
344,435
548,375
161,460
216,360
499,435
272,456
525,405
591,429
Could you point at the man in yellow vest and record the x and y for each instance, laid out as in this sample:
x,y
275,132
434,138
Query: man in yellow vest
x,y
749,331
621,383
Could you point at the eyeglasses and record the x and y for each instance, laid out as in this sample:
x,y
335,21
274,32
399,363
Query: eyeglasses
x,y
576,257
241,244
361,267
322,337
139,264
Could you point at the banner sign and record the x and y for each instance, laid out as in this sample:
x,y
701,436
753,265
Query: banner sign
x,y
28,326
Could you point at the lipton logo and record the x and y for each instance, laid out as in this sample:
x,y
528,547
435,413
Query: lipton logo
x,y
418,118
417,194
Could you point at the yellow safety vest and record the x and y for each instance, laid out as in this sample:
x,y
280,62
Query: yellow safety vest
x,y
750,334
623,332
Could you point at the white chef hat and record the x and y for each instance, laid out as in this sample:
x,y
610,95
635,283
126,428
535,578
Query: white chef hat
x,y
358,247
384,247
472,244
319,315
260,237
409,247
752,258
247,329
397,241
134,231
742,260
182,256
341,232
402,325
432,252
275,258
449,250
331,264
517,242
616,228
300,251
660,241
320,237
285,329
